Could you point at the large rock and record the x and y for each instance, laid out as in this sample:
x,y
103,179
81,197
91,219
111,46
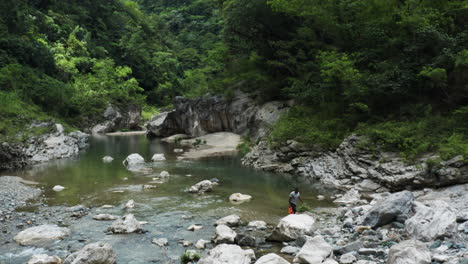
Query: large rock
x,y
350,164
409,252
293,226
201,187
314,251
224,234
230,220
42,234
133,159
115,118
125,225
387,209
198,117
227,254
435,219
95,253
44,259
350,197
271,258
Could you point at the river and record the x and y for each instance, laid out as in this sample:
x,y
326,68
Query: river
x,y
92,183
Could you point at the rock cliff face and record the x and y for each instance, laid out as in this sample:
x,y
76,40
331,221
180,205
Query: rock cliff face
x,y
54,145
351,166
117,118
198,117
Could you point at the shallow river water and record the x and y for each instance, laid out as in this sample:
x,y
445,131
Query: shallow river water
x,y
90,182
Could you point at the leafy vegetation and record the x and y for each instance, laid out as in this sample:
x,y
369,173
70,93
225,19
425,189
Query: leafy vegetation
x,y
396,71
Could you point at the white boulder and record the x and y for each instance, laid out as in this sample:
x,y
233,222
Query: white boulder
x,y
239,198
107,159
224,234
433,220
293,226
158,157
350,197
164,174
162,242
202,187
99,252
258,224
134,159
104,217
230,220
194,227
201,243
125,225
44,259
314,251
271,258
58,188
42,234
130,204
409,252
227,254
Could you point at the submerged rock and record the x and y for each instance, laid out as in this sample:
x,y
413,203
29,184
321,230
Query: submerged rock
x,y
409,252
125,225
387,209
162,242
230,220
44,259
314,251
293,226
95,253
227,254
130,204
202,187
107,159
194,227
271,258
58,188
239,198
42,234
433,220
164,174
104,217
158,157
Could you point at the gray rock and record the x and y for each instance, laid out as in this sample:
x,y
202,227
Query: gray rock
x,y
271,258
162,242
230,220
388,209
95,253
39,235
348,258
202,187
201,243
224,234
350,197
116,118
125,225
433,220
104,217
258,224
292,227
290,250
314,251
44,259
227,254
409,252
353,246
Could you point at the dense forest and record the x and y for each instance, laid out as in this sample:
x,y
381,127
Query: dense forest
x,y
394,70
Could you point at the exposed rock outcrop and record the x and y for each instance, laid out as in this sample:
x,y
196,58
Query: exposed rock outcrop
x,y
116,118
56,144
198,117
351,166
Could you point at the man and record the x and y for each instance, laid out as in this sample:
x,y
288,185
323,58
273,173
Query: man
x,y
293,196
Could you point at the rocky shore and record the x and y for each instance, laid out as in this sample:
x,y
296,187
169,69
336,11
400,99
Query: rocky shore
x,y
352,166
56,144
